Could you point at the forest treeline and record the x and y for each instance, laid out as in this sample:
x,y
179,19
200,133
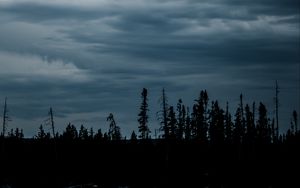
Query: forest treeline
x,y
204,122
199,146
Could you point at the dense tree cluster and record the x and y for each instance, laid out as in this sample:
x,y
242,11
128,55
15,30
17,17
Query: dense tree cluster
x,y
199,146
207,122
214,125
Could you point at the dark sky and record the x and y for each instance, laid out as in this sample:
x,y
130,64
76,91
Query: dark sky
x,y
87,58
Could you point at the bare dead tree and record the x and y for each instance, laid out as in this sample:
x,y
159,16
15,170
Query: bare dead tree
x,y
6,118
276,107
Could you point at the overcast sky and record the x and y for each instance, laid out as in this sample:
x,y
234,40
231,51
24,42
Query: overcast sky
x,y
87,58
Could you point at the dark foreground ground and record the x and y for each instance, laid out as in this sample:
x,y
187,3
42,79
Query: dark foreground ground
x,y
30,163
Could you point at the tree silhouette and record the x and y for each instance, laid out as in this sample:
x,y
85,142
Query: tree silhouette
x,y
199,126
216,128
277,107
239,123
262,124
187,125
295,120
91,134
18,133
41,135
253,150
143,116
242,112
11,133
250,126
228,126
162,115
83,133
98,135
238,127
106,137
114,131
292,135
180,119
133,136
5,117
171,123
70,133
273,131
292,127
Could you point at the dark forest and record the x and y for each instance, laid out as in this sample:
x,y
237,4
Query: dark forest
x,y
199,146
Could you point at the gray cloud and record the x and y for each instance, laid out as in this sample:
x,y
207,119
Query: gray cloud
x,y
89,58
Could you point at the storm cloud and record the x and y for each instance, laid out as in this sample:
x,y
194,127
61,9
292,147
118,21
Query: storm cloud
x,y
87,58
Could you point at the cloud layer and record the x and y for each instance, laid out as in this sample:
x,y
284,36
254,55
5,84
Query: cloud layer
x,y
88,58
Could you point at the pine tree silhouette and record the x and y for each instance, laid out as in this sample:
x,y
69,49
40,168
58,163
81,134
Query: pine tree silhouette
x,y
114,132
187,130
41,135
180,120
262,124
250,126
83,133
98,136
199,126
295,120
162,115
228,126
143,116
238,130
216,128
91,134
133,136
70,133
171,122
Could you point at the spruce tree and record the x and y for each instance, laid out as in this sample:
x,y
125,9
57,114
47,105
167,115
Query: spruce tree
x,y
295,120
216,128
83,133
249,123
180,119
262,124
172,123
70,133
133,136
98,135
187,125
162,115
238,127
114,132
199,126
41,134
143,116
228,126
